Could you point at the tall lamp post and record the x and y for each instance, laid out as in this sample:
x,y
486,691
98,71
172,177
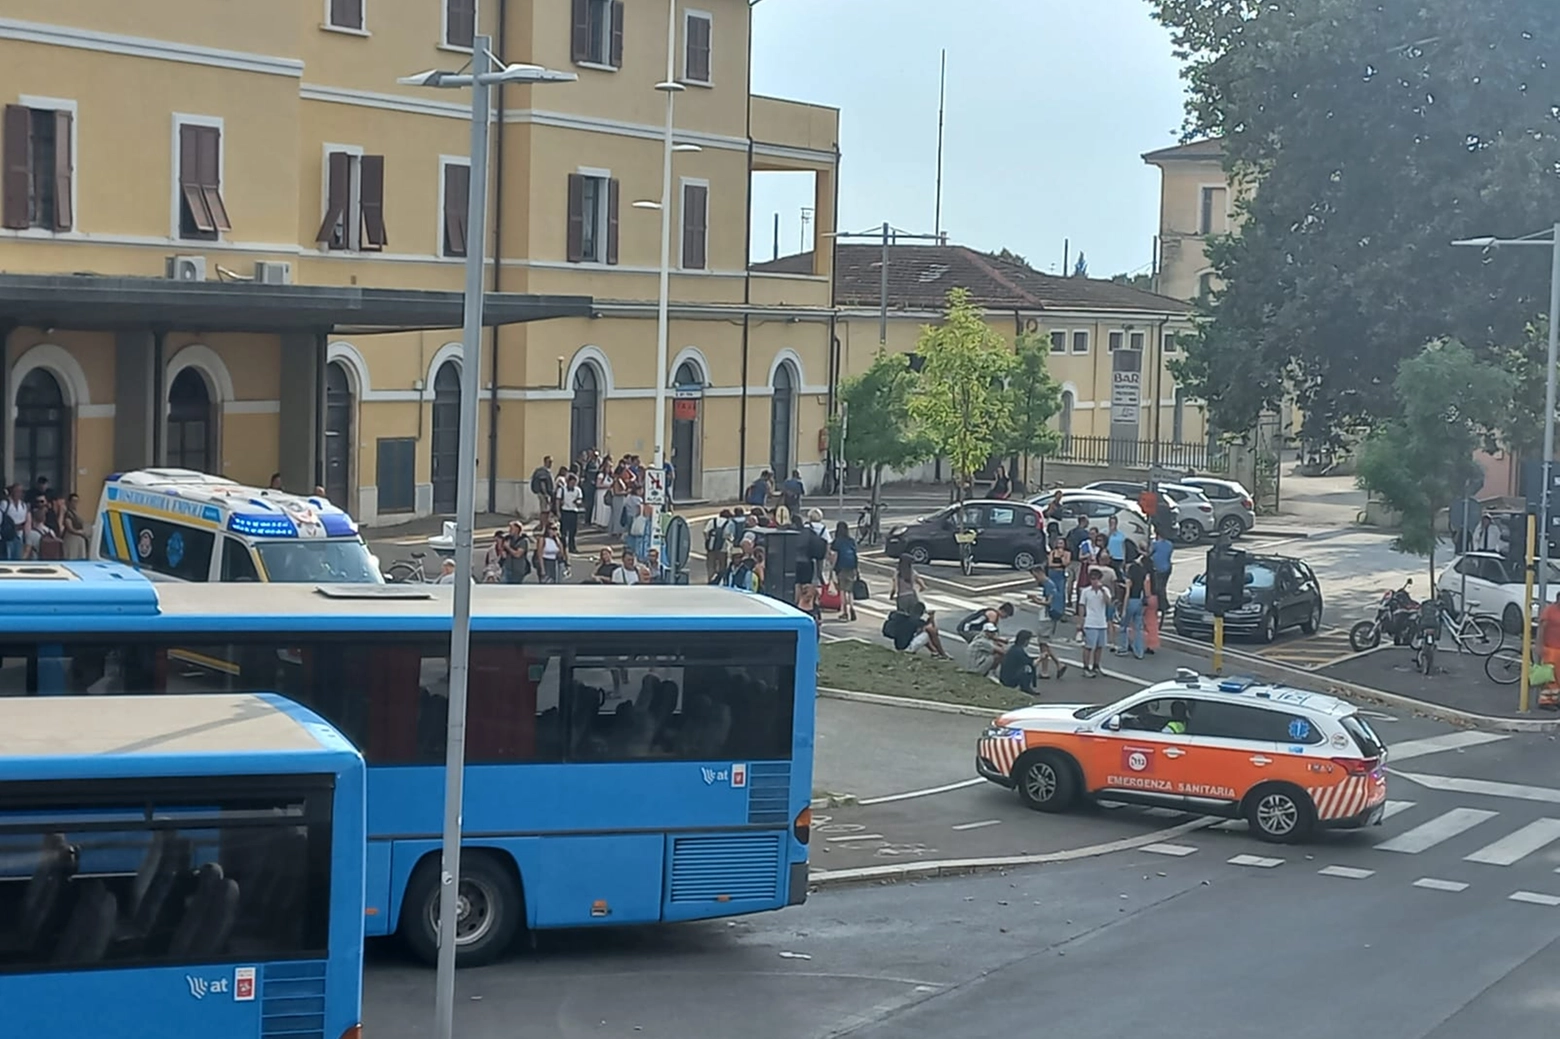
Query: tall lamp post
x,y
1548,239
483,75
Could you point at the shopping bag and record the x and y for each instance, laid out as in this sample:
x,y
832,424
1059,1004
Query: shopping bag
x,y
829,598
1542,674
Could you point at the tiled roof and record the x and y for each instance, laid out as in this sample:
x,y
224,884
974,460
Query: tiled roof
x,y
920,277
1207,148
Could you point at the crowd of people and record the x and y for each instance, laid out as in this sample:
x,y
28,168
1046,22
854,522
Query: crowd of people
x,y
38,522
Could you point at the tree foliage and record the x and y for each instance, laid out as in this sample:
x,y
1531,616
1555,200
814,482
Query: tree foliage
x,y
1369,136
1450,404
878,431
1033,398
960,402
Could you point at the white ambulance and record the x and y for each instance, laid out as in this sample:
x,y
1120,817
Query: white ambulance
x,y
180,525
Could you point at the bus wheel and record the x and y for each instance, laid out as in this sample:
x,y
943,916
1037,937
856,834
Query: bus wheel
x,y
489,910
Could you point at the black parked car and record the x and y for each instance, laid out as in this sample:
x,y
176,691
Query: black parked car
x,y
1011,533
1281,592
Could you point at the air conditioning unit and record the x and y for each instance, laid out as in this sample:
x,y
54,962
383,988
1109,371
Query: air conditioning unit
x,y
186,268
270,272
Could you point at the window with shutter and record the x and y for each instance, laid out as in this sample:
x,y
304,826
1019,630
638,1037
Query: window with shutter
x,y
695,226
202,211
615,13
696,47
575,250
460,23
64,170
457,187
338,197
346,14
371,201
38,168
17,147
596,32
612,221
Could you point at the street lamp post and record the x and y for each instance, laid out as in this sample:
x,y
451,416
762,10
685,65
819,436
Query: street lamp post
x,y
1552,243
480,79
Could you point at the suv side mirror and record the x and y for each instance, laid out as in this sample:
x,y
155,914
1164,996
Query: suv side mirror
x,y
1113,723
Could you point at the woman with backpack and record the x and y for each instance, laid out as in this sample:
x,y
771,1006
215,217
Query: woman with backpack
x,y
845,562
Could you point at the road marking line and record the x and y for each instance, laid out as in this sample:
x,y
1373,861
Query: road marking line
x,y
1438,744
1431,884
1177,850
1394,807
1163,813
1516,791
939,599
976,826
1442,828
1518,845
1534,898
1230,824
928,792
1255,860
1348,872
856,837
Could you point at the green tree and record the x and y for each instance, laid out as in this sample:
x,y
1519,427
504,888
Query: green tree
x,y
1449,405
1524,430
1034,398
877,432
1365,137
960,402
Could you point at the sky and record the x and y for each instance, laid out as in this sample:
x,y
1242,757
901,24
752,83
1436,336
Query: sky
x,y
1050,106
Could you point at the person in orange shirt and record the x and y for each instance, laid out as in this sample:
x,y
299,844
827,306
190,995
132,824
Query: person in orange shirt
x,y
1549,653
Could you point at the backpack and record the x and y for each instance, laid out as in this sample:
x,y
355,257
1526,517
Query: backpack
x,y
7,525
743,576
845,555
817,547
715,535
541,484
972,623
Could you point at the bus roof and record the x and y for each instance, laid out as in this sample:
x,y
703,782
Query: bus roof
x,y
214,501
106,596
117,726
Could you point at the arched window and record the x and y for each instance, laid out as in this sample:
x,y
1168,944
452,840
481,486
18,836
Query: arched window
x,y
446,436
1065,419
191,423
782,424
584,412
338,433
42,430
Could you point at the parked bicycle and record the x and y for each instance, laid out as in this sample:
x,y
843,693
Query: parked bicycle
x,y
404,572
1478,634
1505,665
868,524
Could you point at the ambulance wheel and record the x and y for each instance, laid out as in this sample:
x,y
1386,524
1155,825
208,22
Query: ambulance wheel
x,y
1046,781
1280,814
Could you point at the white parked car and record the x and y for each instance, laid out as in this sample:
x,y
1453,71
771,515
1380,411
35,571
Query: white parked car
x,y
1099,507
1495,585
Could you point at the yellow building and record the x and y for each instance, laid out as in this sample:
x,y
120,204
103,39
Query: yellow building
x,y
233,242
1195,201
1110,344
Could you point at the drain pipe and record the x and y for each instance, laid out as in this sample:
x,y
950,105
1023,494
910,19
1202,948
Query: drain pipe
x,y
498,268
747,271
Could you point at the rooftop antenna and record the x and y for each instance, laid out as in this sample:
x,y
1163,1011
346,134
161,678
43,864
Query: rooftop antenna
x,y
942,105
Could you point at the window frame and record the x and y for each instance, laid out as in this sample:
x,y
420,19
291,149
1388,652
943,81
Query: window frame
x,y
176,186
691,15
1137,339
327,24
1073,340
683,185
610,29
1066,338
353,217
444,28
441,211
69,106
1209,218
602,215
1169,343
1115,339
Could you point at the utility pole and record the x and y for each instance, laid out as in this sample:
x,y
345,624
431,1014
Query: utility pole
x,y
887,235
942,105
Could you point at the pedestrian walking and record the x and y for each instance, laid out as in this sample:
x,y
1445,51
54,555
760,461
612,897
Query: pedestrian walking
x,y
601,503
1160,555
542,485
845,561
1134,605
1093,602
791,492
571,504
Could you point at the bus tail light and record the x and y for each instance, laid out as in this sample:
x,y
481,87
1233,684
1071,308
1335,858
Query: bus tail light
x,y
803,826
355,1032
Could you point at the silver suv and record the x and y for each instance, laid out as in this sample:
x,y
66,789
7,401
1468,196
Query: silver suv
x,y
1233,509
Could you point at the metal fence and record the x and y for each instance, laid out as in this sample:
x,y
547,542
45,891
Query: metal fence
x,y
1142,454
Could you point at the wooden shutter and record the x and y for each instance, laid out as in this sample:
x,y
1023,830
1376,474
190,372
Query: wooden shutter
x,y
337,191
695,220
457,192
371,200
576,234
211,176
189,178
581,34
697,50
612,221
64,216
17,145
616,60
460,22
346,14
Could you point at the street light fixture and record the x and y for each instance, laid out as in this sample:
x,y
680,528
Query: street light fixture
x,y
1549,239
481,78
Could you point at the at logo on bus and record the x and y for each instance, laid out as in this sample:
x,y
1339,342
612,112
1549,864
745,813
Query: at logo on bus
x,y
242,986
736,775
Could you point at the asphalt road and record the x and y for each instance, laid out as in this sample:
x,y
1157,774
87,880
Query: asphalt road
x,y
1440,924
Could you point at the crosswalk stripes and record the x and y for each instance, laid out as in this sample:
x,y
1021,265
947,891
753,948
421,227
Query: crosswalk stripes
x,y
1442,828
1519,844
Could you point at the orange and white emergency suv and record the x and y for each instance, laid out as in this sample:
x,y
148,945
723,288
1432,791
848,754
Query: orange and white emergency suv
x,y
1287,760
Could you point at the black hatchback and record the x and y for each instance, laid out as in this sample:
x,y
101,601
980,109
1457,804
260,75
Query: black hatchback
x,y
1011,533
1281,592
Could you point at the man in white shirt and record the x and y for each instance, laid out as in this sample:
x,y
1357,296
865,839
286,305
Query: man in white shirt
x,y
627,571
1093,604
571,502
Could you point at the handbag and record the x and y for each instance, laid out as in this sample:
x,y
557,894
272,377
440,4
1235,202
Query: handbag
x,y
1542,674
829,598
859,591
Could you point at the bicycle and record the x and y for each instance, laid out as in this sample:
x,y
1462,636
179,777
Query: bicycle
x,y
965,539
1478,634
868,523
403,572
1505,666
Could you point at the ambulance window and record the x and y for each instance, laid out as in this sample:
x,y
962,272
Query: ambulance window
x,y
1237,722
1357,727
237,562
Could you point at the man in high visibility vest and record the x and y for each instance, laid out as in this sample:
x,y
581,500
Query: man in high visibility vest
x,y
1177,722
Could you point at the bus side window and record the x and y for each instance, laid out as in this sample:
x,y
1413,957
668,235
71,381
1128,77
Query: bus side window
x,y
238,563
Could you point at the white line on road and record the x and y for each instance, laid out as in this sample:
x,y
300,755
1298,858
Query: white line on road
x,y
1439,744
939,599
1177,850
1488,788
928,792
1442,828
1537,834
1347,872
977,826
1394,807
856,837
1255,860
1431,884
1535,898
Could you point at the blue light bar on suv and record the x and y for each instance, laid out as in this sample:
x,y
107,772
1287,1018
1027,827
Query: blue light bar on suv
x,y
263,526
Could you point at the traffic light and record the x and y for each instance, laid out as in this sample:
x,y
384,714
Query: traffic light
x,y
1226,579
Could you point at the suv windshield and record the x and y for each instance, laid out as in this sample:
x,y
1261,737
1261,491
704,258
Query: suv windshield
x,y
336,562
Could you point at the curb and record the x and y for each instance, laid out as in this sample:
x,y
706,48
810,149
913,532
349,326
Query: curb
x,y
950,867
880,700
1264,668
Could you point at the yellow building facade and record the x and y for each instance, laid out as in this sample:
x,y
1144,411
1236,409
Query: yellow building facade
x,y
1196,201
233,242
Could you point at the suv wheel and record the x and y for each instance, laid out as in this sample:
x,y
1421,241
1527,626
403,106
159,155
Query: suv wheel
x,y
1281,814
1232,526
1191,532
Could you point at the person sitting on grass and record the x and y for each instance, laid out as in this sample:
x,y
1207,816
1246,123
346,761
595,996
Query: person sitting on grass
x,y
985,651
1017,670
977,621
912,626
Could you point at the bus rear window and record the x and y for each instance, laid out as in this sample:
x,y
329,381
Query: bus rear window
x,y
162,872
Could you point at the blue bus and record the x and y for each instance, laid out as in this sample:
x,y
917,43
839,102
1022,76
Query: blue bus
x,y
179,868
636,755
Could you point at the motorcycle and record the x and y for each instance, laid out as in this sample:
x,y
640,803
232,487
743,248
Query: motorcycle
x,y
1396,615
1428,633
